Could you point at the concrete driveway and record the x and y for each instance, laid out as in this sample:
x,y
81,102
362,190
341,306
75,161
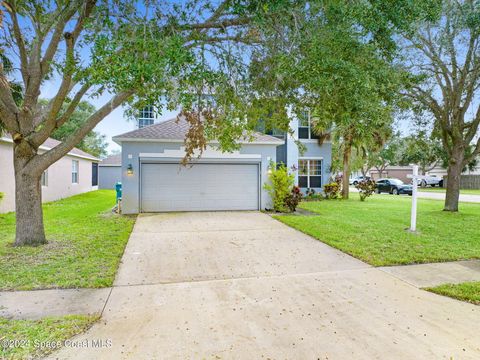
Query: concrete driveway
x,y
240,285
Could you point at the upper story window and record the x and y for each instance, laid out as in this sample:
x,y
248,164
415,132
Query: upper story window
x,y
305,126
275,132
146,117
262,128
74,171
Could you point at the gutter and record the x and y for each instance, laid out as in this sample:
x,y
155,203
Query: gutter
x,y
119,141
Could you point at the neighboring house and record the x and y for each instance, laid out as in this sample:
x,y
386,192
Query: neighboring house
x,y
154,181
441,171
75,173
110,171
397,172
401,172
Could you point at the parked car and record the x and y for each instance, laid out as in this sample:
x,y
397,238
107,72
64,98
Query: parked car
x,y
393,186
430,180
354,181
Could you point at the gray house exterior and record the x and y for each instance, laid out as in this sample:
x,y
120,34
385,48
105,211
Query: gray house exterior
x,y
313,162
154,181
110,172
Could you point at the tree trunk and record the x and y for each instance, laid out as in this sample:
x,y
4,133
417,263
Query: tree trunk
x,y
28,200
346,171
455,166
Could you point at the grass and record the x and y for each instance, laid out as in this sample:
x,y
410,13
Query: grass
x,y
374,230
27,339
442,190
469,291
86,242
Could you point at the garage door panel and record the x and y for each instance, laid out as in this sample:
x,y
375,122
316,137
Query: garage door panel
x,y
202,187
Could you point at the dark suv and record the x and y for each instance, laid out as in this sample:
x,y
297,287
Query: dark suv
x,y
393,186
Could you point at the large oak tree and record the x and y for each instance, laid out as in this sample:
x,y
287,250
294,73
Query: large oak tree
x,y
445,56
125,51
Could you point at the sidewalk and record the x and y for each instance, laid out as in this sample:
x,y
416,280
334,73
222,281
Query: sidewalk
x,y
429,275
441,196
55,302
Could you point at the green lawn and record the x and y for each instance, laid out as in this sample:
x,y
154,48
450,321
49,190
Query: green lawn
x,y
86,242
469,291
437,189
374,230
27,339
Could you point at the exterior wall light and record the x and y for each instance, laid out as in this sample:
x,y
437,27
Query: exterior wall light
x,y
129,169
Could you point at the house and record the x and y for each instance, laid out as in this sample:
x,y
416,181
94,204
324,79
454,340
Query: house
x,y
110,171
154,181
75,173
398,172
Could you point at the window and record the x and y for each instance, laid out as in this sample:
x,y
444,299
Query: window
x,y
44,180
310,173
94,174
305,126
74,172
146,117
261,127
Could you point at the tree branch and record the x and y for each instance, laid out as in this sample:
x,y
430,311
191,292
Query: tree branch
x,y
50,125
217,24
19,40
6,96
474,154
57,35
46,159
7,119
473,127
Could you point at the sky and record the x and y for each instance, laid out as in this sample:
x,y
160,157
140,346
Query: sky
x,y
114,124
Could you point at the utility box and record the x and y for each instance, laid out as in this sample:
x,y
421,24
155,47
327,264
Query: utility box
x,y
118,189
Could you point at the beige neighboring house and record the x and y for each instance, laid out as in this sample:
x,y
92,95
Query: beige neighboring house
x,y
75,173
398,172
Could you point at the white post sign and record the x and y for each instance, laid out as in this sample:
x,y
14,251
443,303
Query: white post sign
x,y
415,177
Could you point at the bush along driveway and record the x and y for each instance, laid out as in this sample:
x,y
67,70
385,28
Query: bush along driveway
x,y
374,231
86,243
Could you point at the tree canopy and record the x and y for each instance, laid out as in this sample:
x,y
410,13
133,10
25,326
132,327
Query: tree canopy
x,y
443,57
93,143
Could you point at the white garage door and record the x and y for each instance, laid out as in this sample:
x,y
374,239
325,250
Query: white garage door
x,y
202,187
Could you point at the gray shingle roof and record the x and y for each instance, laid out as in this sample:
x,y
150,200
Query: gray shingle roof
x,y
173,130
112,160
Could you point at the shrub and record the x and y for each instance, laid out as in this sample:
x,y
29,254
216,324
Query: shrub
x,y
280,186
312,195
293,199
1,196
366,188
332,190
